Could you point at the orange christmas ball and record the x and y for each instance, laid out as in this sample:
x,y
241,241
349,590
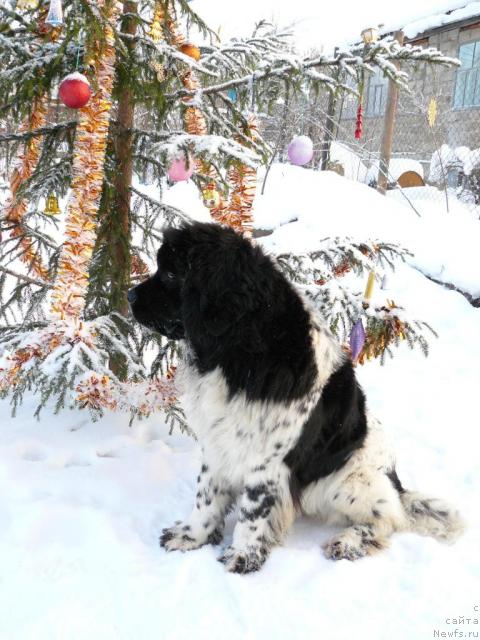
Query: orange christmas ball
x,y
190,50
75,90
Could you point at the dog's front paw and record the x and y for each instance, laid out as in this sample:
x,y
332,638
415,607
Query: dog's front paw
x,y
243,560
180,538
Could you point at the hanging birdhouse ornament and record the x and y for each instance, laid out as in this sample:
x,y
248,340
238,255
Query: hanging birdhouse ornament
x,y
75,90
211,198
55,14
370,35
190,50
357,339
51,207
181,169
300,150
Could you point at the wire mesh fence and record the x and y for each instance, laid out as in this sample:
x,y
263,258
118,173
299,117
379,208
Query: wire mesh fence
x,y
435,149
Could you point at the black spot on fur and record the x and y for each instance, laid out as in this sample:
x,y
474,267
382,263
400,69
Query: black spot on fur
x,y
237,311
260,467
262,511
254,493
393,477
215,537
336,427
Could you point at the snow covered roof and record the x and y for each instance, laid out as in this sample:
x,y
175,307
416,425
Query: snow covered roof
x,y
447,12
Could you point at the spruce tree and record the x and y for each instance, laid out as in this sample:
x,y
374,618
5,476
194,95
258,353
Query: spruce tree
x,y
156,99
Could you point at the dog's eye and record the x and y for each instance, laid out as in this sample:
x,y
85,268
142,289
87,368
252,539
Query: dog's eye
x,y
169,275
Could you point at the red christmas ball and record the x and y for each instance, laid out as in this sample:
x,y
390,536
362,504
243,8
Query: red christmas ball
x,y
75,90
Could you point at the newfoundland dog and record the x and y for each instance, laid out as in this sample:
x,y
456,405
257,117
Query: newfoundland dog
x,y
273,399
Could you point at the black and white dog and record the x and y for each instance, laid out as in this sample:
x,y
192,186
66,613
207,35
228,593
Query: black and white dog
x,y
276,407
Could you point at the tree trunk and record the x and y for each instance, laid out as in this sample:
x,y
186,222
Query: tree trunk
x,y
119,240
120,215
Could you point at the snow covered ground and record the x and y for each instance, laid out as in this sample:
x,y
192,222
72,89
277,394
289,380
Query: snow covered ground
x,y
82,504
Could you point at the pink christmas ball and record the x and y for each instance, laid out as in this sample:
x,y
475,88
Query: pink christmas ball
x,y
75,90
181,169
300,150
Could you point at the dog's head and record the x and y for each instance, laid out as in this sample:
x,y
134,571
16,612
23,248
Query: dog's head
x,y
204,283
157,301
226,298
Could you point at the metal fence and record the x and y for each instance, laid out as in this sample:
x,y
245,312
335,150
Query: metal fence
x,y
435,147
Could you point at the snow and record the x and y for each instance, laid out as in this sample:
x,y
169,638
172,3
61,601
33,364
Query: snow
x,y
453,12
353,167
310,205
82,503
396,167
462,157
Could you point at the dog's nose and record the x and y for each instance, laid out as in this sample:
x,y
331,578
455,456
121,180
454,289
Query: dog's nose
x,y
131,295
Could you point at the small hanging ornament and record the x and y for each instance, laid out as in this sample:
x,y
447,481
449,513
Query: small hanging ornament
x,y
300,150
55,14
359,121
369,288
51,207
385,282
432,113
232,94
75,90
159,70
211,198
357,339
190,50
181,169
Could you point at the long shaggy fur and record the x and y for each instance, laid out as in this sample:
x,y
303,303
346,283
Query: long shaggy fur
x,y
275,404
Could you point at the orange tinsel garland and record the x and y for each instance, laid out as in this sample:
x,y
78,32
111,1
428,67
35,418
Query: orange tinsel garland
x,y
243,179
237,212
16,209
195,122
68,295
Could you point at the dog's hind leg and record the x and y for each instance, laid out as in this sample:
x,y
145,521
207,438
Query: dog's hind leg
x,y
206,522
367,502
266,514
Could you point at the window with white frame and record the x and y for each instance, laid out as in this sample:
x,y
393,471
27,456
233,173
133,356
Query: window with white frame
x,y
467,83
376,94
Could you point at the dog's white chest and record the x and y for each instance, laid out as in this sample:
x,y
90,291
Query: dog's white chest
x,y
236,434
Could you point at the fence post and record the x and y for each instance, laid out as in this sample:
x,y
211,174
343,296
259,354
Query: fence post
x,y
388,128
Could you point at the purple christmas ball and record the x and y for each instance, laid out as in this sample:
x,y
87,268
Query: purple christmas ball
x,y
357,339
300,150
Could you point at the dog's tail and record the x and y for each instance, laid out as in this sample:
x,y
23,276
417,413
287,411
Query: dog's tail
x,y
431,516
